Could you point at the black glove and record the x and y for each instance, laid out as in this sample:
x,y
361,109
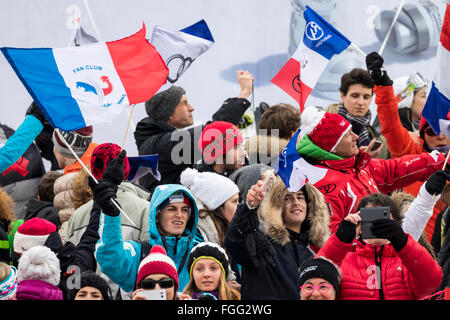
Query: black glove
x,y
103,192
437,181
374,63
259,248
34,110
114,169
391,230
346,231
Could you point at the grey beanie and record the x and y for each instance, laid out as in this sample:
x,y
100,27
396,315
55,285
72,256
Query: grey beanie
x,y
246,177
162,105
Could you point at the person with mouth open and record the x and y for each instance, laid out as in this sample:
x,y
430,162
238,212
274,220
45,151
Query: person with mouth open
x,y
345,173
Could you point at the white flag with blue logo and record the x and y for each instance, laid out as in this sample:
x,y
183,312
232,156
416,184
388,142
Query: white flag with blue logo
x,y
180,48
294,170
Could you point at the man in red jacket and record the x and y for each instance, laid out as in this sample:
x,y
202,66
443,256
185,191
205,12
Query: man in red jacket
x,y
348,173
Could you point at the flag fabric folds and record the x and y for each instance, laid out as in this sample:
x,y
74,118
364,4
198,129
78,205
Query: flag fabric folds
x,y
437,107
82,85
141,165
294,170
180,48
321,41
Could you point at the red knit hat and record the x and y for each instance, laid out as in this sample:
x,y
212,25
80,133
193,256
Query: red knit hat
x,y
102,155
324,129
32,233
217,139
157,261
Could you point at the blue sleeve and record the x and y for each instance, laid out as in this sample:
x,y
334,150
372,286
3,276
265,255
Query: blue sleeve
x,y
19,142
118,259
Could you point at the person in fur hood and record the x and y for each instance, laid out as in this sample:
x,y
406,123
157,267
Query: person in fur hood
x,y
272,234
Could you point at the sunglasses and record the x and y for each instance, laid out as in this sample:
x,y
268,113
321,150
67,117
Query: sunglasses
x,y
430,132
149,284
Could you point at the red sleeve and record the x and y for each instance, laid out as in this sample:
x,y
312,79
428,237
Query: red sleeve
x,y
425,273
335,250
393,174
398,140
340,206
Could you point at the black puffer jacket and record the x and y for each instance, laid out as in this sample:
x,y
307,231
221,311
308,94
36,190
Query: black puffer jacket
x,y
158,137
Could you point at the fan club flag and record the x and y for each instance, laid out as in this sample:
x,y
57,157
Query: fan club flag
x,y
437,108
82,85
180,48
302,71
294,170
140,166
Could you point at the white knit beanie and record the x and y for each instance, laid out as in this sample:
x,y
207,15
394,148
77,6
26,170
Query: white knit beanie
x,y
210,188
40,263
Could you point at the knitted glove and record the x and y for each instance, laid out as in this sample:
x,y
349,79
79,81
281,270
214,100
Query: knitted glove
x,y
437,181
34,110
114,169
391,230
346,231
374,63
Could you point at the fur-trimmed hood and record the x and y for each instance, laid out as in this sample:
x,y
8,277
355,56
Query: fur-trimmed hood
x,y
270,213
261,148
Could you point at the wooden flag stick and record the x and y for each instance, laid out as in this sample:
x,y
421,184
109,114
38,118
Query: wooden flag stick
x,y
128,125
89,172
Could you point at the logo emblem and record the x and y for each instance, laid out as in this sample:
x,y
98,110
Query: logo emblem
x,y
296,85
180,64
90,89
313,31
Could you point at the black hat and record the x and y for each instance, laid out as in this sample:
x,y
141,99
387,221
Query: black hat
x,y
162,105
208,250
91,279
320,268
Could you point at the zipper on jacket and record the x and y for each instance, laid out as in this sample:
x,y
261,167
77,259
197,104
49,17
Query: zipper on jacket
x,y
378,264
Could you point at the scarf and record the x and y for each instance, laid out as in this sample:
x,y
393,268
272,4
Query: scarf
x,y
359,125
8,286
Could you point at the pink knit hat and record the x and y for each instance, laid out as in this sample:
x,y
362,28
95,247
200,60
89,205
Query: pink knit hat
x,y
157,261
324,129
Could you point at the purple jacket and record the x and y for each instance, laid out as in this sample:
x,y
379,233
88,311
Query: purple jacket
x,y
34,289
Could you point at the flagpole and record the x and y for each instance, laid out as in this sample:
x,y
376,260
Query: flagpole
x,y
358,49
383,45
89,172
128,125
86,4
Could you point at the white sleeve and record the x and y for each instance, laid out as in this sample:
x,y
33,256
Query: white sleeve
x,y
418,214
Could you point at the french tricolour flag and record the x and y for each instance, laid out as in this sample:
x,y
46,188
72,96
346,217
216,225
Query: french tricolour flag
x,y
437,108
82,85
302,71
294,170
180,48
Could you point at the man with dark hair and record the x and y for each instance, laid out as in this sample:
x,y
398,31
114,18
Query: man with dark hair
x,y
356,95
160,133
45,186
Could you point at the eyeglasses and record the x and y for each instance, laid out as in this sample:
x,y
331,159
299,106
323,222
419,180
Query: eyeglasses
x,y
149,284
430,132
322,288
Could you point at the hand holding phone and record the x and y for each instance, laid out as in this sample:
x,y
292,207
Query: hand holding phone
x,y
376,145
368,215
152,294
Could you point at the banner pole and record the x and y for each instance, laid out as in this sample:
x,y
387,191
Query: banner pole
x,y
383,45
89,172
130,114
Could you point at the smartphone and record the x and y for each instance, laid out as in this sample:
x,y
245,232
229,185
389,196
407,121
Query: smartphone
x,y
370,214
153,294
376,145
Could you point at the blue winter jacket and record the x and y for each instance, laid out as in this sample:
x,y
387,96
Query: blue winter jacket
x,y
19,142
120,260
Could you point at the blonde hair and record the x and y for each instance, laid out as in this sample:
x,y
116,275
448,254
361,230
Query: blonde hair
x,y
225,291
7,208
4,271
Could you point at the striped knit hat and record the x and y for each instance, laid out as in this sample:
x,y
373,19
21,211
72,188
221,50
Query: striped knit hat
x,y
157,261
